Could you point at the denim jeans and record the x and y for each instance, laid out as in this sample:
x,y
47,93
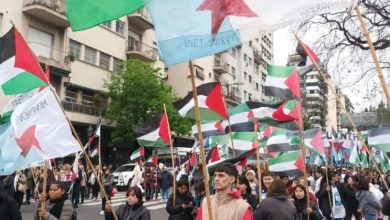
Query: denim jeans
x,y
370,217
165,193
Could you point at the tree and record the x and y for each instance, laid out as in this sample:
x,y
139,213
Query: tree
x,y
343,48
137,96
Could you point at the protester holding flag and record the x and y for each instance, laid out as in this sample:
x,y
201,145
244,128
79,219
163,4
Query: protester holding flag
x,y
368,204
276,205
300,202
58,206
134,208
184,201
107,180
350,201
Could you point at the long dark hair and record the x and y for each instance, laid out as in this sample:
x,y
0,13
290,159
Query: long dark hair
x,y
242,180
304,199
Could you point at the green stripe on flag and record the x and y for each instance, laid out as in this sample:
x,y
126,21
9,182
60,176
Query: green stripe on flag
x,y
21,83
280,71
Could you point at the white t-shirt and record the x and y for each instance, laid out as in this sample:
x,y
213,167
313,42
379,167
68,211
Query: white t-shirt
x,y
338,210
317,186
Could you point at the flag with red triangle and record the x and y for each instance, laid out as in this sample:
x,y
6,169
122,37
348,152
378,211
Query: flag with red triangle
x,y
288,163
19,68
283,82
154,133
210,99
313,141
138,154
308,55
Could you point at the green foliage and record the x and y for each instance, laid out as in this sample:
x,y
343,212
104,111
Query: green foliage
x,y
306,123
137,96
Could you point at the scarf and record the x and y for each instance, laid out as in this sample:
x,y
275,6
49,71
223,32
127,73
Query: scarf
x,y
56,210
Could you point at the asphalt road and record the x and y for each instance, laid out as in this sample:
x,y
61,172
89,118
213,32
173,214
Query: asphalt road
x,y
91,208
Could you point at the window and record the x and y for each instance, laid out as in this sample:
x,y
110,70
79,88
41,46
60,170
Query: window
x,y
245,95
104,61
234,72
90,55
199,72
245,56
245,75
107,24
249,97
74,49
250,43
250,60
87,98
257,68
120,27
234,52
312,91
70,95
40,42
250,78
257,87
116,66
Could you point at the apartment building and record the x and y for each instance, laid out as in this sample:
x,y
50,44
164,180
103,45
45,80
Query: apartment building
x,y
241,70
80,62
314,93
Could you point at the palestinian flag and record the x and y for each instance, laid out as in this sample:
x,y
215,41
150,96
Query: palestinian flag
x,y
308,56
138,154
89,13
238,160
243,141
363,156
283,140
154,133
213,131
95,151
313,141
380,138
19,69
210,100
152,159
277,111
282,82
289,163
213,155
239,119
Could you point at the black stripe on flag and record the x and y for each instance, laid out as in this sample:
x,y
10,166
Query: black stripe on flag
x,y
147,127
7,45
204,89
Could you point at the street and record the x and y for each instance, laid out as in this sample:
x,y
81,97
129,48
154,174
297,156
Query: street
x,y
91,208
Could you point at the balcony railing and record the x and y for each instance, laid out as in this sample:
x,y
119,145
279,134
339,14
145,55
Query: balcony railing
x,y
137,49
233,99
51,11
220,66
84,109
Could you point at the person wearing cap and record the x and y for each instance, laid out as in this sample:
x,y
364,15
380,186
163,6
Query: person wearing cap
x,y
132,210
227,202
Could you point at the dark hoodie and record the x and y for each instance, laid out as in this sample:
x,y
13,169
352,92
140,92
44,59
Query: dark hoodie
x,y
130,212
277,206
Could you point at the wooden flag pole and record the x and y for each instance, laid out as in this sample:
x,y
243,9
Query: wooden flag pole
x,y
374,56
173,160
303,152
200,139
258,160
332,88
99,144
85,153
230,129
43,204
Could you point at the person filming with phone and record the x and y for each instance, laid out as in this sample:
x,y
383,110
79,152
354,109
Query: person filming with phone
x,y
184,204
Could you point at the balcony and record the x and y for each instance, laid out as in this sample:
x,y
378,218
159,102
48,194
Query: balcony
x,y
139,50
84,109
62,63
50,11
257,56
142,19
220,66
232,99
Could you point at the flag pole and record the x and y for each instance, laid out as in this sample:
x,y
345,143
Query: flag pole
x,y
303,152
200,139
173,160
230,129
43,204
83,150
258,160
374,56
99,143
332,88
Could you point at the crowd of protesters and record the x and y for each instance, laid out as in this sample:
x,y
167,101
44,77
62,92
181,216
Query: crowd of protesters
x,y
332,193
